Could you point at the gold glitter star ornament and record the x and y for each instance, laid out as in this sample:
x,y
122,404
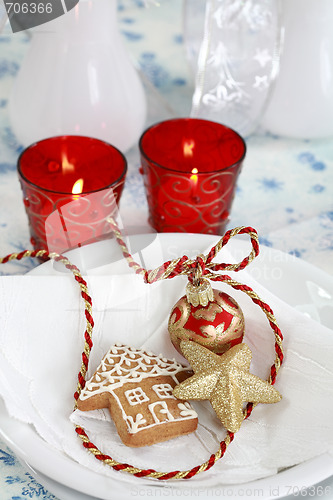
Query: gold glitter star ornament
x,y
225,381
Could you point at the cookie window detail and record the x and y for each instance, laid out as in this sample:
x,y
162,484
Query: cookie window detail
x,y
163,391
136,396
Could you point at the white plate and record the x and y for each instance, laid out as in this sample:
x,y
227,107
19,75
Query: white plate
x,y
298,283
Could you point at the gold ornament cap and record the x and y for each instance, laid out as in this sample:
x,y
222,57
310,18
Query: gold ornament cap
x,y
200,294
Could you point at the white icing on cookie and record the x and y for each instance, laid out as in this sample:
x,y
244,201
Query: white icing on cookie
x,y
117,372
187,410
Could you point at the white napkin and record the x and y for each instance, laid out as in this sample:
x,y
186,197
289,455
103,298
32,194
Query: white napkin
x,y
41,340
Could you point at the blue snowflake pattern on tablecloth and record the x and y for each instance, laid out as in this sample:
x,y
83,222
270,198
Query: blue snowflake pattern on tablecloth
x,y
14,480
140,3
32,489
3,103
318,165
132,36
326,219
309,158
7,167
317,188
22,481
179,82
297,252
123,4
271,135
9,138
265,241
326,242
135,189
306,157
8,68
6,458
271,184
154,71
127,20
179,39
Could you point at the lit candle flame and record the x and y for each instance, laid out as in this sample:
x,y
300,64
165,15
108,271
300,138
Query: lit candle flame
x,y
194,177
188,148
77,187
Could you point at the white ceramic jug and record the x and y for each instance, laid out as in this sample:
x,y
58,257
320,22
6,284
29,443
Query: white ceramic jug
x,y
301,103
77,78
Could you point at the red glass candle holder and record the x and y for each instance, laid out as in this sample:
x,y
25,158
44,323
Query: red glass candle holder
x,y
190,168
71,185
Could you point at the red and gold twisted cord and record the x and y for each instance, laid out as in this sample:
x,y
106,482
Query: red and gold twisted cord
x,y
168,270
184,265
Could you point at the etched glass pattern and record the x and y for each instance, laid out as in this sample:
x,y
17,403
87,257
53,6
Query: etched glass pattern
x,y
237,59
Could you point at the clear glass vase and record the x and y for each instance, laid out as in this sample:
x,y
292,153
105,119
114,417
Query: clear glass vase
x,y
77,79
236,59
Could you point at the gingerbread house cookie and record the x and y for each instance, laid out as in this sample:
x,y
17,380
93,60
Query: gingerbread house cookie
x,y
136,386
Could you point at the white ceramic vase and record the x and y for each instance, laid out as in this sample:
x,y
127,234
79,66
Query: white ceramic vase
x,y
301,103
77,78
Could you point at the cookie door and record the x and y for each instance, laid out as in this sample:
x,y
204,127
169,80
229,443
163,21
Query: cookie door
x,y
160,412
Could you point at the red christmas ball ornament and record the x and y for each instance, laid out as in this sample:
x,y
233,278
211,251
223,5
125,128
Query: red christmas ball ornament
x,y
207,316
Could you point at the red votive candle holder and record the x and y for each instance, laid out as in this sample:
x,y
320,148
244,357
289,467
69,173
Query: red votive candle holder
x,y
71,185
190,168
